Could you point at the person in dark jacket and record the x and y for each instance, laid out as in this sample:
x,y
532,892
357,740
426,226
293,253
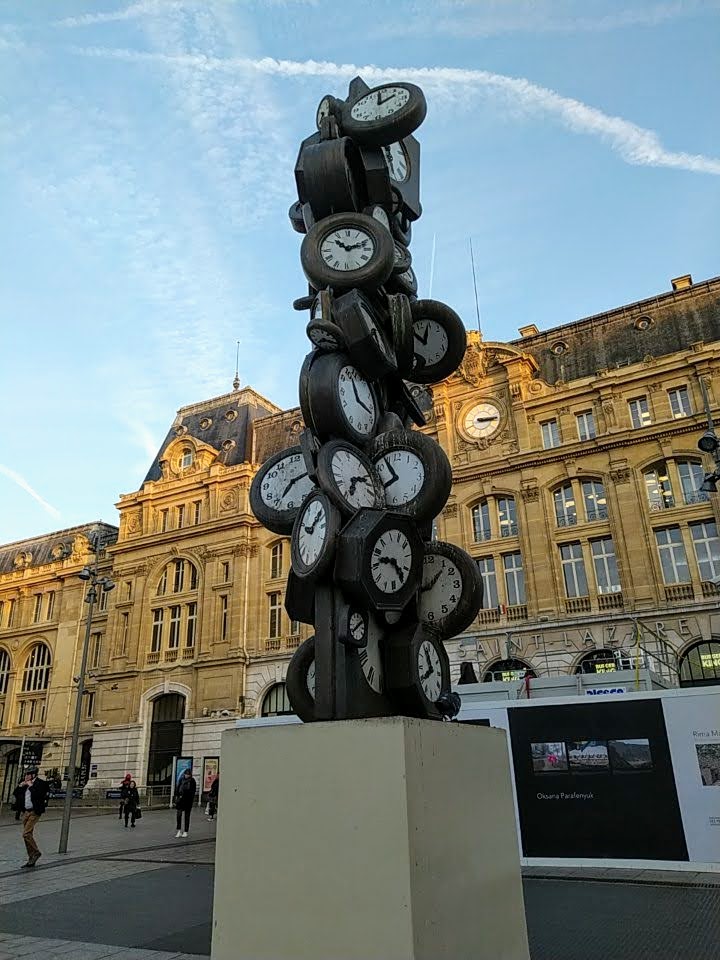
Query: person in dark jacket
x,y
213,797
34,802
132,802
19,799
124,787
184,798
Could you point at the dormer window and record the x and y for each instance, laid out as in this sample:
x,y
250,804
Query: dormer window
x,y
186,459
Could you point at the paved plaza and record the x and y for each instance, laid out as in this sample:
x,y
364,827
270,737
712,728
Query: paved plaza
x,y
142,895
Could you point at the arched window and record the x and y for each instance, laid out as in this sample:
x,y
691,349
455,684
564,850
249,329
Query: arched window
x,y
494,517
565,506
4,680
568,497
179,576
276,560
186,459
692,474
658,486
174,627
508,671
599,661
36,675
276,702
700,664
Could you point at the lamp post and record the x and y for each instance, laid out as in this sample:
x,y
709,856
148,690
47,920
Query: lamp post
x,y
709,443
104,584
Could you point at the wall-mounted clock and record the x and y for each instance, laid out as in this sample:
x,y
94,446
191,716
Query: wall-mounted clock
x,y
300,680
337,400
451,592
278,490
378,559
439,341
314,536
480,421
348,477
347,250
418,671
414,471
385,114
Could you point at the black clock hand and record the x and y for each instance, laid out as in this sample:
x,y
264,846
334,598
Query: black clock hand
x,y
292,483
394,476
424,589
354,481
357,397
393,563
314,524
423,340
485,419
381,102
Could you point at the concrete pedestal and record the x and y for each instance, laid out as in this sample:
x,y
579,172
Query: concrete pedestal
x,y
389,839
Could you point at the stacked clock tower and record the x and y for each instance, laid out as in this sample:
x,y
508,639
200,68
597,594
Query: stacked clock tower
x,y
358,495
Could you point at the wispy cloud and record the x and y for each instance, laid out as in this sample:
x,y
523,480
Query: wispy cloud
x,y
635,144
24,485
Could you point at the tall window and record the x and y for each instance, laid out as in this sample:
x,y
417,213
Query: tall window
x,y
89,704
162,583
672,555
223,616
191,625
700,665
174,633
36,675
550,434
164,520
37,611
481,521
639,412
225,571
275,617
197,511
507,518
707,549
680,405
186,458
607,577
594,500
659,489
11,605
157,630
294,628
102,600
181,516
276,561
691,478
181,575
486,566
4,671
50,606
178,576
586,425
514,578
573,567
124,631
565,506
95,650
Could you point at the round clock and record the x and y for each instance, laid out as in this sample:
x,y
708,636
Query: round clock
x,y
405,282
385,114
398,162
414,471
328,107
439,341
480,421
353,629
378,213
278,490
347,250
296,217
300,680
337,400
402,258
451,591
366,342
312,546
418,671
370,656
348,477
325,335
401,229
402,331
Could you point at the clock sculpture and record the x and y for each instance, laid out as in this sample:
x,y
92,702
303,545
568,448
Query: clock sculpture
x,y
358,495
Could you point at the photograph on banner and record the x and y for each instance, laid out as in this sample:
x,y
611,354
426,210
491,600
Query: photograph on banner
x,y
549,757
211,768
588,756
630,755
708,755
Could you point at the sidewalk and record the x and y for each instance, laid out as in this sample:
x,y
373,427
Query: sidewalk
x,y
673,878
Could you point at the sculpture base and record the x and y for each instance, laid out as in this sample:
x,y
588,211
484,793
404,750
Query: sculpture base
x,y
386,839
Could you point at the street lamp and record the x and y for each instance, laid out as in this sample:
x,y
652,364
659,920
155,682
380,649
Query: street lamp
x,y
709,443
103,584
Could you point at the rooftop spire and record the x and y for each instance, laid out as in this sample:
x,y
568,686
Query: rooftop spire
x,y
236,381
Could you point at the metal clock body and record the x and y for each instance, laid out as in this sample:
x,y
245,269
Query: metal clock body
x,y
418,671
278,490
414,471
314,536
451,592
367,342
439,341
384,114
347,250
337,400
300,680
348,477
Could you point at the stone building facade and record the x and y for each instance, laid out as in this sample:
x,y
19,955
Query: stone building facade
x,y
576,487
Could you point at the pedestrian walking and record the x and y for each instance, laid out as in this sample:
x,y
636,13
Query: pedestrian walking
x,y
34,803
213,797
124,787
132,803
184,798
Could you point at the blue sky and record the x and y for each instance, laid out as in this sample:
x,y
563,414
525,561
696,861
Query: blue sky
x,y
146,158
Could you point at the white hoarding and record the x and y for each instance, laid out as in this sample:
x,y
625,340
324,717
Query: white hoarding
x,y
693,729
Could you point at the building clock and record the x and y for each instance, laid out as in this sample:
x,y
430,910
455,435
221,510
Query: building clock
x,y
480,421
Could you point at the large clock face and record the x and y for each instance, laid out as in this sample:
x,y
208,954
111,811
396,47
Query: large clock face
x,y
347,248
380,103
441,588
353,479
391,561
430,341
402,473
429,670
311,538
357,400
286,485
482,420
310,679
398,162
370,659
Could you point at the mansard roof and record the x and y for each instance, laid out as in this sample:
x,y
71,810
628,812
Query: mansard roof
x,y
52,547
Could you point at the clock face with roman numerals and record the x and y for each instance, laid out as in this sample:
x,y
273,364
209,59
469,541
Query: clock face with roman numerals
x,y
391,561
370,657
347,248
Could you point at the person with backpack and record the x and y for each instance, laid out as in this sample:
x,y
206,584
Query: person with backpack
x,y
184,799
132,803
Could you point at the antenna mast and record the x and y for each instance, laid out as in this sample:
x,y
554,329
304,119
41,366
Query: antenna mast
x,y
477,302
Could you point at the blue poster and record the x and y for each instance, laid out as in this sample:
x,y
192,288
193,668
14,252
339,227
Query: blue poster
x,y
183,764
